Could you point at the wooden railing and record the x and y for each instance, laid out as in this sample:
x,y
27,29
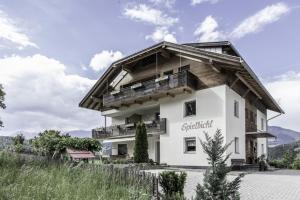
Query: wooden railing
x,y
151,87
158,126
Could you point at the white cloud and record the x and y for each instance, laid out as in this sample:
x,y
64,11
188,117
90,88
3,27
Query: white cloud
x,y
207,31
195,2
41,95
285,89
162,34
167,3
9,30
103,59
144,13
257,21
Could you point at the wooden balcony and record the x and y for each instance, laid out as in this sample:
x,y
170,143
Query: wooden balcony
x,y
153,89
152,127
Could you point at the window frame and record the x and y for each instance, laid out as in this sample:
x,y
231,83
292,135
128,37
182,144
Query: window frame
x,y
236,109
186,139
236,145
185,111
262,123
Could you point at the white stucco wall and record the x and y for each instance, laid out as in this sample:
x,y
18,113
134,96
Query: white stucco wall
x,y
262,143
130,147
235,126
210,105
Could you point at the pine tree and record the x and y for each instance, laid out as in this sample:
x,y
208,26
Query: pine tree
x,y
216,186
141,144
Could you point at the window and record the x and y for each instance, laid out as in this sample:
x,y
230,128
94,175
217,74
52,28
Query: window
x,y
262,121
189,108
236,145
122,149
170,72
184,68
262,149
190,145
236,109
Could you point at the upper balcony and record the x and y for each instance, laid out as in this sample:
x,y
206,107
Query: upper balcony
x,y
168,85
152,127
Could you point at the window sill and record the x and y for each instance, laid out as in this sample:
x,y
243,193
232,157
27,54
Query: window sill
x,y
190,152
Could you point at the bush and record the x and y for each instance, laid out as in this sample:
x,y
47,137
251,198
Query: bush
x,y
263,166
296,164
172,184
276,163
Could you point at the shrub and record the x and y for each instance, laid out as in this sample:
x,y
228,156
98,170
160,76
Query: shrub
x,y
141,144
172,184
262,163
276,163
296,164
288,159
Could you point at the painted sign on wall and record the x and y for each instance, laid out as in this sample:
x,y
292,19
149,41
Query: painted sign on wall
x,y
188,126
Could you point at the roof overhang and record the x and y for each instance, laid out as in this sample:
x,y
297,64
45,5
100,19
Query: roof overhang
x,y
93,100
263,134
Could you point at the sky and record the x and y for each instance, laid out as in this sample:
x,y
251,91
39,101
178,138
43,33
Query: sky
x,y
53,51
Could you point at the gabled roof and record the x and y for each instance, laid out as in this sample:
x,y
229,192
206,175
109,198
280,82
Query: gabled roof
x,y
233,61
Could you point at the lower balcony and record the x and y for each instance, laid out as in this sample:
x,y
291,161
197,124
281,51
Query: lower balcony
x,y
152,127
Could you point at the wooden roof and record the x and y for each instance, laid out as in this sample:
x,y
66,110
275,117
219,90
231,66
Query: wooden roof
x,y
93,99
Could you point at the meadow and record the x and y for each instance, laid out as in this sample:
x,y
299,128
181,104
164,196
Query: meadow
x,y
31,179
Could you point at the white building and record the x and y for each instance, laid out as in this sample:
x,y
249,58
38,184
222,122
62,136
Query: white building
x,y
181,92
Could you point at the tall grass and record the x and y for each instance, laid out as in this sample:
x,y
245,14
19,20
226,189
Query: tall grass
x,y
41,180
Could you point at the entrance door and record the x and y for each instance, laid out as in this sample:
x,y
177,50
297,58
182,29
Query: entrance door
x,y
157,155
251,150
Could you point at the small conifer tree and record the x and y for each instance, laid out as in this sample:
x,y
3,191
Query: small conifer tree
x,y
216,186
141,144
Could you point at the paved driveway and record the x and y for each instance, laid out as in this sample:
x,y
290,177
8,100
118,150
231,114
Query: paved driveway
x,y
276,185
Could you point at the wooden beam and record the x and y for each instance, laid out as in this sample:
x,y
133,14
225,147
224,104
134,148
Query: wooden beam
x,y
154,99
247,84
214,66
234,82
96,99
171,95
165,53
138,102
186,90
124,105
245,94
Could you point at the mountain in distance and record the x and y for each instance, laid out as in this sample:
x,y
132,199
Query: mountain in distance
x,y
80,133
284,136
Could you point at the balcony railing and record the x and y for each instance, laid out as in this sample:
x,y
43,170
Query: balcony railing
x,y
154,88
152,127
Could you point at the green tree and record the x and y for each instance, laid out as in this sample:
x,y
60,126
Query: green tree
x,y
2,105
141,144
216,186
52,143
18,139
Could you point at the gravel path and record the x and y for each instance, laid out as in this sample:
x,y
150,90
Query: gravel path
x,y
276,185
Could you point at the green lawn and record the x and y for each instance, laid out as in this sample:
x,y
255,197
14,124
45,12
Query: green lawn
x,y
39,180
